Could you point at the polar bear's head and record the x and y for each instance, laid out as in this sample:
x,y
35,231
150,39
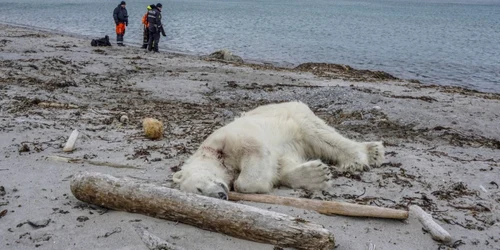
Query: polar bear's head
x,y
202,183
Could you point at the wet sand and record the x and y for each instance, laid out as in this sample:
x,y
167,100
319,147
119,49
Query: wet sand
x,y
443,143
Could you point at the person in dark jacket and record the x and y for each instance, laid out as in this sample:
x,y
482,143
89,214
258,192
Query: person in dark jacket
x,y
155,27
121,20
145,34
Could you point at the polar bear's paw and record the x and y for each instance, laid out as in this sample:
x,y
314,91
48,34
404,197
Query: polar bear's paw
x,y
312,175
368,154
250,186
356,165
356,160
376,153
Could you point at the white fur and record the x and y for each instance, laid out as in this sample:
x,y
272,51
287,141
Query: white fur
x,y
270,145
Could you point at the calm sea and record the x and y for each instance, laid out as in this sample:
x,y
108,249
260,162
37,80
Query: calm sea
x,y
450,42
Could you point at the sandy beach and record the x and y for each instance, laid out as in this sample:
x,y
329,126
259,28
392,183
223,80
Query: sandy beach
x,y
442,143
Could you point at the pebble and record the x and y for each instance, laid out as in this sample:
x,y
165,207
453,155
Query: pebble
x,y
24,148
3,213
39,223
82,218
124,119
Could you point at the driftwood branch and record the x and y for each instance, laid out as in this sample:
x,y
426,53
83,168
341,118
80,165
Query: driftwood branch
x,y
91,162
221,216
437,232
70,144
152,241
57,105
324,207
371,246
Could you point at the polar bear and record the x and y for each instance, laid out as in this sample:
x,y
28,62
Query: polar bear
x,y
276,144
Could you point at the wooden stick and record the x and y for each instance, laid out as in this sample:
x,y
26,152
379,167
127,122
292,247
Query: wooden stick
x,y
92,162
324,207
152,241
221,216
57,105
70,144
437,232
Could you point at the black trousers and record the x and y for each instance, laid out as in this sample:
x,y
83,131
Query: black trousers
x,y
154,39
119,39
145,38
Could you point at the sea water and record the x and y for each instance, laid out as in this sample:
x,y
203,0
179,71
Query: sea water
x,y
449,42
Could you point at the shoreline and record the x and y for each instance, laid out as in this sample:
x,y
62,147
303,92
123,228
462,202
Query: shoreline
x,y
261,64
442,144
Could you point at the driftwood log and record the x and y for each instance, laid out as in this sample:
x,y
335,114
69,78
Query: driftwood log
x,y
324,207
70,144
221,216
437,232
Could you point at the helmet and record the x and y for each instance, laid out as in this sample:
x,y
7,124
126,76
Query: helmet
x,y
158,5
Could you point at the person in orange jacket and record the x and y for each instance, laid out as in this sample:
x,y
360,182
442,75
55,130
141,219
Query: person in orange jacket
x,y
145,33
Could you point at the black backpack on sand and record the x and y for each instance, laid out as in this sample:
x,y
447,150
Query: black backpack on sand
x,y
101,42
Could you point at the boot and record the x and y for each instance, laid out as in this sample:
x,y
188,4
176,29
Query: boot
x,y
119,40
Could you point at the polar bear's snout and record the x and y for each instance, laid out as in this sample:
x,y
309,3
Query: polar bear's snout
x,y
219,191
214,189
202,184
222,195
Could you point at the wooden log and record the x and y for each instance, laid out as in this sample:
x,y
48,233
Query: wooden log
x,y
221,216
324,207
70,144
437,232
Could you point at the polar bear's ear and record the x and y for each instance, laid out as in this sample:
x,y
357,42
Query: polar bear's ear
x,y
177,177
